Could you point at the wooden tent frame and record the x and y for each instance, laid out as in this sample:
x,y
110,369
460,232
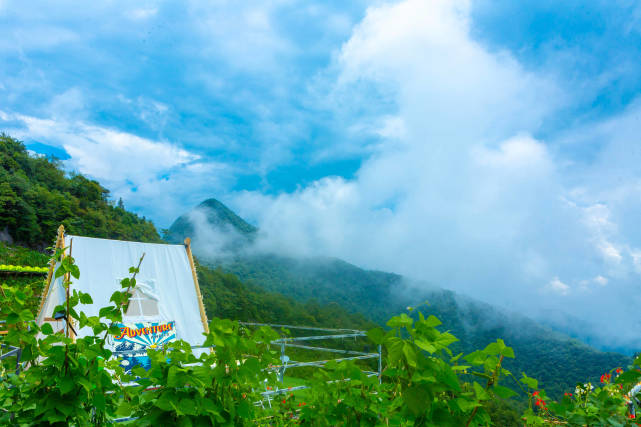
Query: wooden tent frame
x,y
60,241
201,306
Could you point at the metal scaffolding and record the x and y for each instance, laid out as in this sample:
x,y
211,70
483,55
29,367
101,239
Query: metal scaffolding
x,y
9,351
291,342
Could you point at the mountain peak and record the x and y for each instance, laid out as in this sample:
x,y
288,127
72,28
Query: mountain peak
x,y
211,213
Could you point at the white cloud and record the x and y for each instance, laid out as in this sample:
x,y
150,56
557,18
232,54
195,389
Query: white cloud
x,y
256,44
522,153
444,188
558,286
600,280
636,259
141,13
105,153
459,191
39,38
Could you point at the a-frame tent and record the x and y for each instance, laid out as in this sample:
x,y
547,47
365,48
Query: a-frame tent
x,y
167,287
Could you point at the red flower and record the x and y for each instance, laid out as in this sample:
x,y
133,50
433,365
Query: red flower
x,y
536,393
304,403
631,416
619,370
605,378
284,401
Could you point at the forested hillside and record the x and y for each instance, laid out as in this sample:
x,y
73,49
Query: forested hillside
x,y
557,360
225,296
37,195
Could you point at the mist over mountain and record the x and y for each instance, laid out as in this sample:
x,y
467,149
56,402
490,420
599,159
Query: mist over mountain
x,y
558,360
214,228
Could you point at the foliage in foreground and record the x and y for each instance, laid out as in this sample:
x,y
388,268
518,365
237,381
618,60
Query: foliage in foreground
x,y
65,382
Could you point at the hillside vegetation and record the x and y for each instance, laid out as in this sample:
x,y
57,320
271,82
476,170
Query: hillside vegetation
x,y
557,360
37,195
225,296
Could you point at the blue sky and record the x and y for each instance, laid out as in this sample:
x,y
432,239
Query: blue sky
x,y
491,147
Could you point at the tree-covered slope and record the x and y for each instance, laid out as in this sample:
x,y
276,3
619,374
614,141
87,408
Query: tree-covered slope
x,y
556,359
225,296
37,195
327,279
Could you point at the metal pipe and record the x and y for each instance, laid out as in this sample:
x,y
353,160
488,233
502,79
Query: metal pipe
x,y
332,350
320,337
380,364
309,328
322,362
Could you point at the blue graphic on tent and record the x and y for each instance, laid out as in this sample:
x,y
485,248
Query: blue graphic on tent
x,y
135,338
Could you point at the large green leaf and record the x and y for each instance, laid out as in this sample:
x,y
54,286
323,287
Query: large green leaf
x,y
503,392
425,345
187,406
530,382
376,335
416,399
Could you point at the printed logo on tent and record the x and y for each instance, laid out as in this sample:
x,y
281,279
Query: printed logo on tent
x,y
131,344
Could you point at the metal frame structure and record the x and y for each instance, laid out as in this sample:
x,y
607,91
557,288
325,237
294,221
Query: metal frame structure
x,y
11,351
286,363
283,343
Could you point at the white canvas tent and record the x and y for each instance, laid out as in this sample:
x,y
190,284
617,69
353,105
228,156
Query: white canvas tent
x,y
167,286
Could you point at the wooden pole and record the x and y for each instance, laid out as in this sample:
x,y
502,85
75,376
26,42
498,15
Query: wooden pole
x,y
69,332
203,315
52,265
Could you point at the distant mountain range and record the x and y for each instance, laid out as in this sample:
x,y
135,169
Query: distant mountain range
x,y
557,360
